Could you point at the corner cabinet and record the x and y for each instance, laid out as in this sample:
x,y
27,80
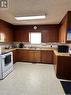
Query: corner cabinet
x,y
47,56
62,66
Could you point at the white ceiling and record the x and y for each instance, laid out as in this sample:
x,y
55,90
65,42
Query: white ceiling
x,y
55,10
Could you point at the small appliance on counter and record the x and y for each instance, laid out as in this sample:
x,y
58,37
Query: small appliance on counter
x,y
70,51
63,48
21,45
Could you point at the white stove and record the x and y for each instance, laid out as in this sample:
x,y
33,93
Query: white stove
x,y
6,64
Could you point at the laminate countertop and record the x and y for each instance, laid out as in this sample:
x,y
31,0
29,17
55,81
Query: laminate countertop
x,y
60,54
7,50
49,49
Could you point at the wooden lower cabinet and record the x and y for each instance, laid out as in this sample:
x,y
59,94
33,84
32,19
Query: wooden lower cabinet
x,y
35,56
63,67
41,56
23,55
47,56
28,55
14,56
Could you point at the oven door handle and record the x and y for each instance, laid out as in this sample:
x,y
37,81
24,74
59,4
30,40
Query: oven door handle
x,y
3,57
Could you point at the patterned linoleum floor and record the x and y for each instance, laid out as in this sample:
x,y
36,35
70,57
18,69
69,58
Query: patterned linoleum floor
x,y
31,79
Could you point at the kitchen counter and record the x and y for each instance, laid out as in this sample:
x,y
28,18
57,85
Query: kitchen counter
x,y
60,54
37,48
7,50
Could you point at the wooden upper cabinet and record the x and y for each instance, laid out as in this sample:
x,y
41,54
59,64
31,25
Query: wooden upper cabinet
x,y
6,30
51,34
65,28
44,37
8,36
68,37
69,19
21,35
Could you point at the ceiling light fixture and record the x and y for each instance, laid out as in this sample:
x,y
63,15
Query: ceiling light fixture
x,y
31,17
35,27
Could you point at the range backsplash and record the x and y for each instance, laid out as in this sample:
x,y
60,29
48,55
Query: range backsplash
x,y
27,44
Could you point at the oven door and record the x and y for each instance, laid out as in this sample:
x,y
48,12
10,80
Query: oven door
x,y
7,61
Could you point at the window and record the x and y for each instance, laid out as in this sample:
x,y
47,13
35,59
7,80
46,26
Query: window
x,y
35,38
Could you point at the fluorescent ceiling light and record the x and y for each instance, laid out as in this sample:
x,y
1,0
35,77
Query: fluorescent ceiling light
x,y
31,17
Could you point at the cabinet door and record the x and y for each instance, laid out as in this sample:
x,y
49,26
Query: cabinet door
x,y
43,56
31,56
47,56
6,30
50,35
8,36
14,56
34,56
55,61
69,27
38,56
63,66
63,30
21,36
23,55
